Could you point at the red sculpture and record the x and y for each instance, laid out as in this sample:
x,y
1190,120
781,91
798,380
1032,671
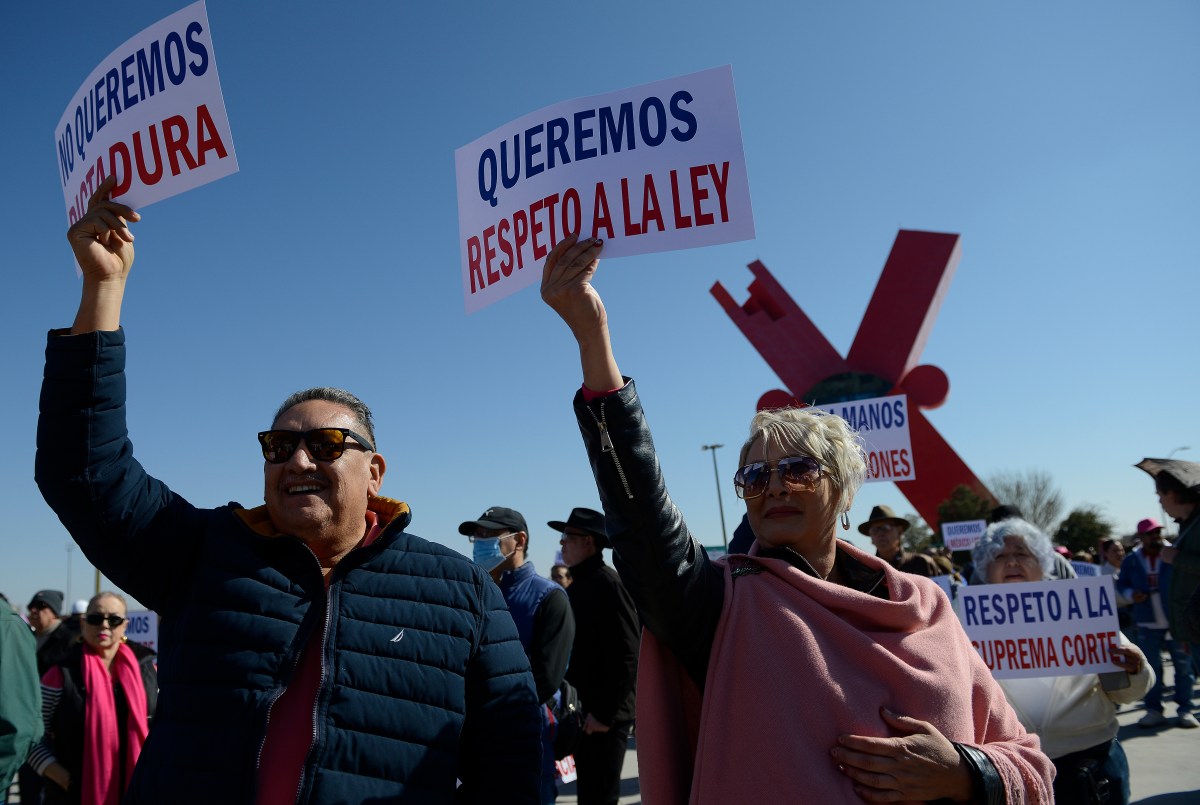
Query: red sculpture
x,y
882,360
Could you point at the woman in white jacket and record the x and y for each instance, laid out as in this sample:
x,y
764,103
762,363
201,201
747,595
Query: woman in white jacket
x,y
1075,716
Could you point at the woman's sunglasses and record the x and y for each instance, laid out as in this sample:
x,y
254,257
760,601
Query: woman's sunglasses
x,y
798,474
98,618
324,444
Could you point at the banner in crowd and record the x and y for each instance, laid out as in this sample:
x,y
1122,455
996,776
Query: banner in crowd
x,y
152,113
883,424
1085,568
962,535
1042,628
646,169
143,627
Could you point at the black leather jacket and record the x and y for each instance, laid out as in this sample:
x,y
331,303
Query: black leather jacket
x,y
677,589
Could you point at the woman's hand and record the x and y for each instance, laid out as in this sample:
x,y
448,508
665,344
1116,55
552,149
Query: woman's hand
x,y
58,774
1130,658
920,765
567,287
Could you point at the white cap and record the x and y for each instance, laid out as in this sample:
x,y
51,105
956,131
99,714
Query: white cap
x,y
79,607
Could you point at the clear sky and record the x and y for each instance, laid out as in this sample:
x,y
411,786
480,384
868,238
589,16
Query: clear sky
x,y
1059,140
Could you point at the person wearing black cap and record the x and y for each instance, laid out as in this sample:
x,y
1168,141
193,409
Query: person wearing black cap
x,y
604,658
539,607
886,531
53,644
45,618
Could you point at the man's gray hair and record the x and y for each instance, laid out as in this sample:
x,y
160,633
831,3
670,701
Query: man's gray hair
x,y
992,542
362,414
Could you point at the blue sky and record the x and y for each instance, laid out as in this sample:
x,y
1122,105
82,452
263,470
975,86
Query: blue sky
x,y
1059,140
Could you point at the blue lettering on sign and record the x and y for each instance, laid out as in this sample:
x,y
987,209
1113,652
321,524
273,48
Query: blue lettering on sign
x,y
141,74
618,129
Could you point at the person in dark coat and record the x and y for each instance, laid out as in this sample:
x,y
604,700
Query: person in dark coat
x,y
311,650
604,657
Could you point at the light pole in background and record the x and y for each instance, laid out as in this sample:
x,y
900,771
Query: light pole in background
x,y
70,547
1176,450
717,478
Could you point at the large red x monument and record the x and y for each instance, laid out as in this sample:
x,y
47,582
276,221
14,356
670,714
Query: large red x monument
x,y
883,359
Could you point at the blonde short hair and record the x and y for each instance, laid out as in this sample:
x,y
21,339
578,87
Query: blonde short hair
x,y
813,432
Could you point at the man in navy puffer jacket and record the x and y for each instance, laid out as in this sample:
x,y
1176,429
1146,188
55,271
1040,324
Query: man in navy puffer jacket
x,y
311,651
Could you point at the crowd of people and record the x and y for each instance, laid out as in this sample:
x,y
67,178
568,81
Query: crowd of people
x,y
312,650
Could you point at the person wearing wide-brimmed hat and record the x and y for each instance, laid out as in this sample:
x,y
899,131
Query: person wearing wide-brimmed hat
x,y
604,656
1177,484
886,531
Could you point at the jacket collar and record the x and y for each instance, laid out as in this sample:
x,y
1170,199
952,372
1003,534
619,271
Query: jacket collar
x,y
856,574
393,516
511,578
589,566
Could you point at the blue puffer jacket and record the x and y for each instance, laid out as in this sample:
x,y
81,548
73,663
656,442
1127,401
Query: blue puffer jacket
x,y
423,680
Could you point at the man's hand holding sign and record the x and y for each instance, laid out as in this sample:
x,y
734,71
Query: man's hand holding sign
x,y
103,247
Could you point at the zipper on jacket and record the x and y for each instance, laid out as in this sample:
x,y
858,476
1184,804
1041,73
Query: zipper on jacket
x,y
317,701
606,446
283,688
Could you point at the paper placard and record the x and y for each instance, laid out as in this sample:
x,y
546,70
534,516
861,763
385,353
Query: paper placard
x,y
883,424
143,628
964,534
1043,628
151,112
647,169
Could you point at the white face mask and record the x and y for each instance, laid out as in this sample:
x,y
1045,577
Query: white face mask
x,y
486,553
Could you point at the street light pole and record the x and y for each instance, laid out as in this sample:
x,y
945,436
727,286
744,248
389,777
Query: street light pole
x,y
717,478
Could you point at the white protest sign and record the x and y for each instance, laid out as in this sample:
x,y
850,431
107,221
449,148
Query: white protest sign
x,y
883,424
962,535
646,169
1085,569
152,113
1042,628
143,628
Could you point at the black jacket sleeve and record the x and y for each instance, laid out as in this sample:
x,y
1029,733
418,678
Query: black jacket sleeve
x,y
550,647
130,525
675,586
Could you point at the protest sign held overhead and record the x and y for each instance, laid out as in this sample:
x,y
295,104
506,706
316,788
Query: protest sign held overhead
x,y
152,113
883,424
963,535
1042,628
647,169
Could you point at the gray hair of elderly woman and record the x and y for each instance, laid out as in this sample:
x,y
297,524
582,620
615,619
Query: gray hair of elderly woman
x,y
992,542
812,432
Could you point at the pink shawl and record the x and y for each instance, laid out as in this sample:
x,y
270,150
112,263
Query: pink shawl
x,y
101,739
797,661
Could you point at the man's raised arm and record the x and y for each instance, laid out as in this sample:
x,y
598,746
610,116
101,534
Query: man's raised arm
x,y
103,247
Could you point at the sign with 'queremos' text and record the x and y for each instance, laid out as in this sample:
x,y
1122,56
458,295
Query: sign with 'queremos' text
x,y
647,169
152,113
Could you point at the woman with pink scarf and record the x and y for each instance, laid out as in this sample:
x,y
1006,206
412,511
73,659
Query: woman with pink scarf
x,y
808,670
96,705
